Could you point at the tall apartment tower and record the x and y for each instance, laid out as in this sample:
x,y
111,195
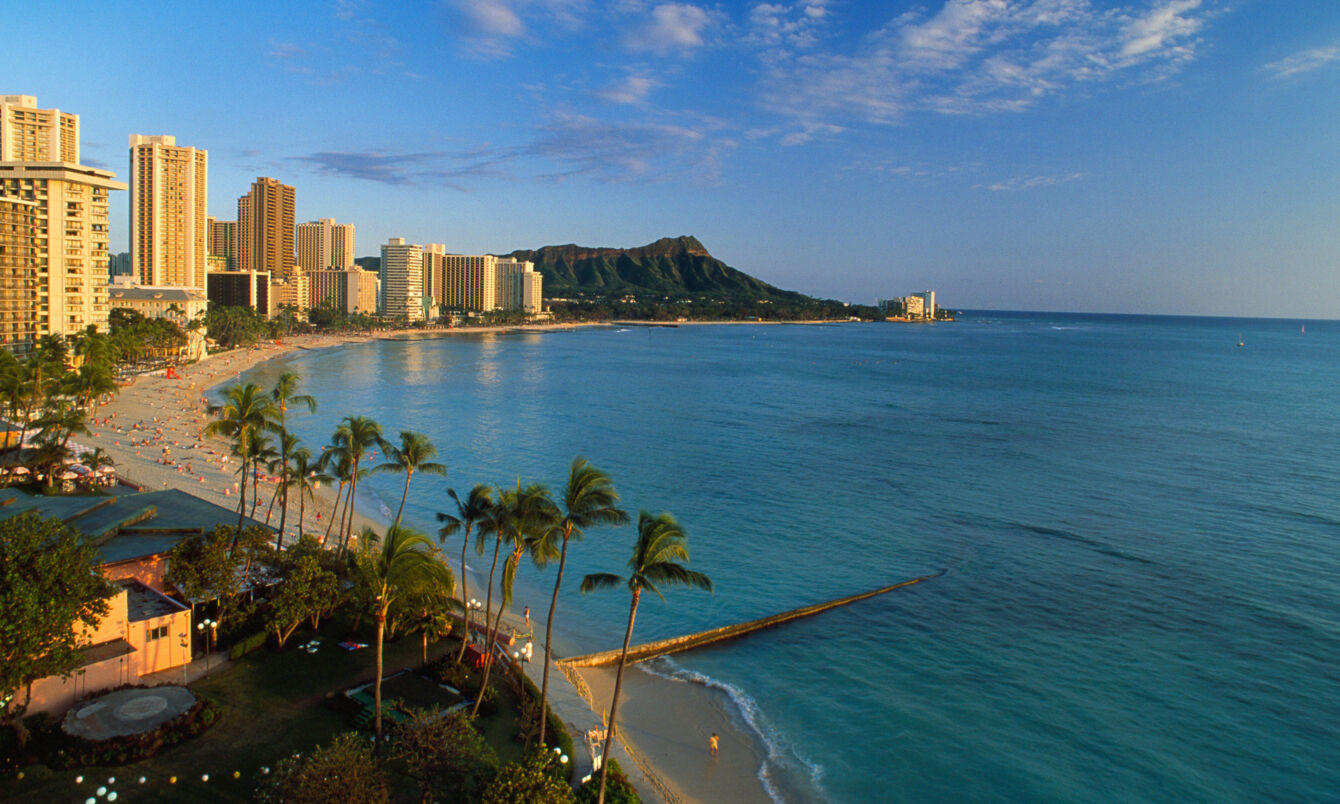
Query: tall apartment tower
x,y
402,280
223,241
519,286
61,235
169,236
325,244
30,134
18,274
265,228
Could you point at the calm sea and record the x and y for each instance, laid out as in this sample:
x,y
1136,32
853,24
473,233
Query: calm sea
x,y
1139,521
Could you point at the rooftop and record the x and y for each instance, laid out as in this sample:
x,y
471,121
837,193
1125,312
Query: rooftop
x,y
143,603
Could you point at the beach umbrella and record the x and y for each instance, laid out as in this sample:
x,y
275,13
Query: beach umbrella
x,y
20,470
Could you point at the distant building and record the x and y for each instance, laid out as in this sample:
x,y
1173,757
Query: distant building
x,y
180,305
402,280
65,230
265,228
914,307
927,303
520,286
352,290
325,244
290,291
119,264
169,236
241,289
223,242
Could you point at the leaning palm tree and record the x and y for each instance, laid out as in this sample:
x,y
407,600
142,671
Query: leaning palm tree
x,y
263,451
589,500
474,509
362,433
524,517
285,393
240,419
413,455
661,545
406,559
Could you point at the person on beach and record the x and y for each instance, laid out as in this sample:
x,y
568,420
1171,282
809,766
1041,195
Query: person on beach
x,y
528,616
713,744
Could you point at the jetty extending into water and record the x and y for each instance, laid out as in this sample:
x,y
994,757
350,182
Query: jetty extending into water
x,y
665,647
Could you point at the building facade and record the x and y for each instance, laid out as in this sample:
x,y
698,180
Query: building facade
x,y
351,290
520,286
30,134
169,234
18,275
65,227
402,280
241,289
325,244
223,241
265,228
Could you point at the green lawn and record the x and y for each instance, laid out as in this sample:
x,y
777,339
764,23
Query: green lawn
x,y
272,703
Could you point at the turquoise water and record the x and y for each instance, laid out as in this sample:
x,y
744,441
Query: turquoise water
x,y
1138,519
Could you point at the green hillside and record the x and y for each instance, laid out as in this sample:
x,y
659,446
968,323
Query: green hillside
x,y
672,266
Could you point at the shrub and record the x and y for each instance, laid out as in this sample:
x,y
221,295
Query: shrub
x,y
618,790
246,645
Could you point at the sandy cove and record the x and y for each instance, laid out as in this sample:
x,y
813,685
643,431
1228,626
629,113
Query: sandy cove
x,y
153,429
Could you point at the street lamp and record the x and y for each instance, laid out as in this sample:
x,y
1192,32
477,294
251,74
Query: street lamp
x,y
213,626
473,605
186,646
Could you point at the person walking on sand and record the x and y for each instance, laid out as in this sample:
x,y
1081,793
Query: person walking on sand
x,y
713,744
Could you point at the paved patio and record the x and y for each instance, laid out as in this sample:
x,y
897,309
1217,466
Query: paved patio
x,y
132,711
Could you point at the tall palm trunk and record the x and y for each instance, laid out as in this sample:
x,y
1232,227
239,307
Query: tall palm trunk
x,y
549,634
488,609
334,511
614,701
302,511
488,656
409,475
465,604
283,507
349,504
242,491
377,688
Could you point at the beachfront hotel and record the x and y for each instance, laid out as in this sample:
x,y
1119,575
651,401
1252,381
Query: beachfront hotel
x,y
402,280
265,228
62,234
169,235
351,290
325,244
480,282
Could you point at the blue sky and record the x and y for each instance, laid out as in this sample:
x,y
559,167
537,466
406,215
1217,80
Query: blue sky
x,y
1162,156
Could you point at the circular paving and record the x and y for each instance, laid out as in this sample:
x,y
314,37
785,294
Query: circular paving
x,y
132,711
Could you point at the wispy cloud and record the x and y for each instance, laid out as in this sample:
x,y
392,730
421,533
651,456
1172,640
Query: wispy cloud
x,y
981,57
375,166
615,151
493,29
632,89
1305,62
671,28
1029,182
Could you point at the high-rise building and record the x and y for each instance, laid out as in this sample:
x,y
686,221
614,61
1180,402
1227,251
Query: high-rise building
x,y
169,238
402,280
290,291
18,274
223,241
351,290
39,153
463,281
240,289
265,228
30,134
519,286
325,244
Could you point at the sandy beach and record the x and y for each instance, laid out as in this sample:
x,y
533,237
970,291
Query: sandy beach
x,y
153,429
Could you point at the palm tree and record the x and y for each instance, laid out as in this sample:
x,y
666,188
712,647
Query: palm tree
x,y
362,433
306,477
661,544
475,508
412,455
406,558
240,419
524,517
589,500
285,393
262,453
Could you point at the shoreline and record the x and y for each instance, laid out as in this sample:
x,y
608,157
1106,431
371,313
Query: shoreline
x,y
672,764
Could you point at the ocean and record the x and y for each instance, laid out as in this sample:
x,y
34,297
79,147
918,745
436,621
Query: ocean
x,y
1138,522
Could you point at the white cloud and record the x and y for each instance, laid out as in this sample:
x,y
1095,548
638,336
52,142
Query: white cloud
x,y
632,89
976,57
493,18
1029,182
670,27
1305,62
1160,26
